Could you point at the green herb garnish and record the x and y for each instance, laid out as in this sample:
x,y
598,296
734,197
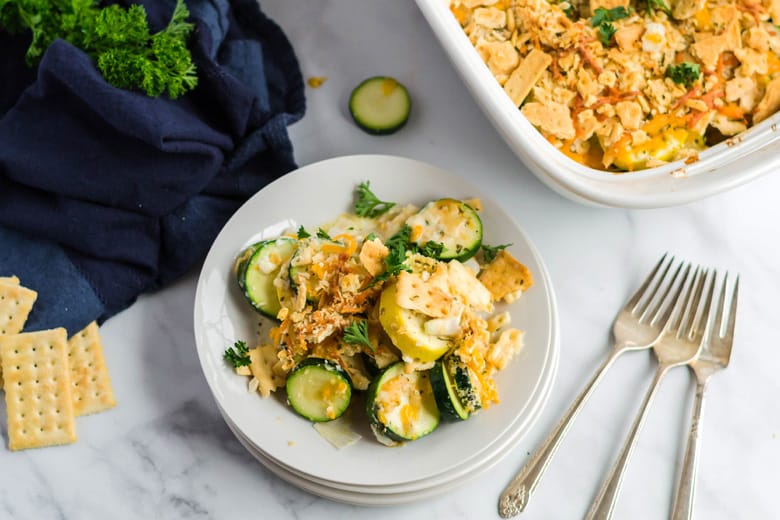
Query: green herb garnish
x,y
237,355
685,73
603,18
489,252
322,234
302,233
431,249
357,334
606,32
397,246
118,39
367,204
601,15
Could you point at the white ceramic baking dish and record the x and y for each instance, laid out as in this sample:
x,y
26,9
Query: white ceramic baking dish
x,y
721,167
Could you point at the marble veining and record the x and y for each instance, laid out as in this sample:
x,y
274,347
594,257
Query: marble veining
x,y
164,451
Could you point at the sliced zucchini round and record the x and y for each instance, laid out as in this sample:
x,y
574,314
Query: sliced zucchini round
x,y
449,222
466,383
319,389
446,394
380,105
256,274
406,329
401,406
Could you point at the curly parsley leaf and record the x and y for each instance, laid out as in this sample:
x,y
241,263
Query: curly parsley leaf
x,y
322,234
685,73
302,233
431,249
606,32
357,334
601,15
367,204
489,253
118,39
395,261
237,355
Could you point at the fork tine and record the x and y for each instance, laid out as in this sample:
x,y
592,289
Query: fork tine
x,y
704,318
717,323
679,321
633,303
662,314
729,333
691,310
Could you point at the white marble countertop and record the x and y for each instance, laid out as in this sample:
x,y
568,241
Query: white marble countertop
x,y
164,451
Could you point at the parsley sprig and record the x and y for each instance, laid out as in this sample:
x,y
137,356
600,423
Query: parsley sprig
x,y
237,355
356,333
489,253
685,73
302,233
603,18
395,261
367,204
127,54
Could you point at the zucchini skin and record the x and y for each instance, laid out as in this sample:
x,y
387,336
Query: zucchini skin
x,y
463,379
246,259
446,397
374,128
458,251
333,369
372,407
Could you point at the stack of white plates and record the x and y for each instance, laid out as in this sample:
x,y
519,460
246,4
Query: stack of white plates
x,y
367,472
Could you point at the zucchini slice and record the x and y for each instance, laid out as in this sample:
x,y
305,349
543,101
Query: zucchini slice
x,y
319,389
258,266
449,222
400,406
446,394
467,385
380,105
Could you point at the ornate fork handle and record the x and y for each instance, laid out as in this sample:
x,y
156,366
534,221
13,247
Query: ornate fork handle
x,y
516,495
683,503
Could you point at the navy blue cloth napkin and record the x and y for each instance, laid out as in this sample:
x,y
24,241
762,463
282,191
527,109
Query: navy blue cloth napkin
x,y
106,193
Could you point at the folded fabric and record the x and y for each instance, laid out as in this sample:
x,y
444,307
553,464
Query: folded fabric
x,y
107,193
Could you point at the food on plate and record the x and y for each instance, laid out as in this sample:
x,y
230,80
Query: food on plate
x,y
49,379
402,303
623,86
380,105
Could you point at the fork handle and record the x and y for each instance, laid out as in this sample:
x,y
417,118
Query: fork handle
x,y
604,504
683,503
516,495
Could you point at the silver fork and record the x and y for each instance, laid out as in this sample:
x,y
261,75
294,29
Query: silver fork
x,y
714,356
679,344
638,325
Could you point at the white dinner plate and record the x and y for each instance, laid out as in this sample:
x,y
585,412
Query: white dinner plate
x,y
311,196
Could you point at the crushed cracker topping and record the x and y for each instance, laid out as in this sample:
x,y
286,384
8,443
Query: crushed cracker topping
x,y
618,87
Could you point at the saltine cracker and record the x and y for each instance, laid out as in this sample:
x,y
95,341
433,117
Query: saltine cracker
x,y
38,390
90,380
15,305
